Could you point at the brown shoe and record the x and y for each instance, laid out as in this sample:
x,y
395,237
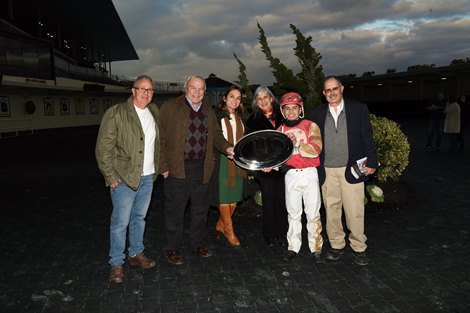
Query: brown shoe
x,y
142,261
116,274
204,251
174,257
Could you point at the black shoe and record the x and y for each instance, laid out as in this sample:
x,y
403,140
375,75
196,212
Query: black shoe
x,y
334,254
290,255
204,251
174,257
270,241
281,241
317,257
360,258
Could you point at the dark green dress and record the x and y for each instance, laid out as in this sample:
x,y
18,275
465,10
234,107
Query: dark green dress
x,y
229,194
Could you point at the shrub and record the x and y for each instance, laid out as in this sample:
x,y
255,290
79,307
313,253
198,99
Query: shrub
x,y
393,148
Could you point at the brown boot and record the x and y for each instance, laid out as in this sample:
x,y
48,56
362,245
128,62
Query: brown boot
x,y
116,274
142,261
232,206
228,227
219,227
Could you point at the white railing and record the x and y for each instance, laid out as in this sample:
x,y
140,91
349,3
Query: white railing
x,y
168,86
15,127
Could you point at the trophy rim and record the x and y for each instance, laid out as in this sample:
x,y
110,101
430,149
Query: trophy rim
x,y
275,160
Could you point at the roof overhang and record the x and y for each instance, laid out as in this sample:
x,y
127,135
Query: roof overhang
x,y
91,25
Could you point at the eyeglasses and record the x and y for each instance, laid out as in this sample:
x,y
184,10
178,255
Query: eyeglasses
x,y
334,89
142,90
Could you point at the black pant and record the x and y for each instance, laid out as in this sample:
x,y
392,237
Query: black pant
x,y
177,193
274,205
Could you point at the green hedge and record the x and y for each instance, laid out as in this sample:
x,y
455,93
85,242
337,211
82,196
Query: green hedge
x,y
393,148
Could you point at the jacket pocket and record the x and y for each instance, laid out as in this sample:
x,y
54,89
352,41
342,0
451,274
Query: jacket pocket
x,y
123,164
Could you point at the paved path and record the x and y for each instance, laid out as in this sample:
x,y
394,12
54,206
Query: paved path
x,y
54,242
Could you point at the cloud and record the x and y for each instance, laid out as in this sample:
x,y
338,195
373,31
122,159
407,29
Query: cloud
x,y
177,38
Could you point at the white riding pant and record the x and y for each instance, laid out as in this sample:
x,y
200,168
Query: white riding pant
x,y
303,194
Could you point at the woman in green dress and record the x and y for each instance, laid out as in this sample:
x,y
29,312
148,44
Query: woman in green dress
x,y
230,177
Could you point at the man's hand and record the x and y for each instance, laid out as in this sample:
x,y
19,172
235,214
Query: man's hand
x,y
115,184
166,174
293,139
369,170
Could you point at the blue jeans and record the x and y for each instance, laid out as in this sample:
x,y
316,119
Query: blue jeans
x,y
129,210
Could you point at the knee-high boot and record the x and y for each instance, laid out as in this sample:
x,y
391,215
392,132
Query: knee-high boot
x,y
233,206
219,227
229,233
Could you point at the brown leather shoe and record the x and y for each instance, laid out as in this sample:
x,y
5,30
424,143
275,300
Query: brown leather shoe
x,y
142,261
174,257
116,274
204,251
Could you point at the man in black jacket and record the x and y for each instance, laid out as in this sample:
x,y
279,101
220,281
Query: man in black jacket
x,y
347,138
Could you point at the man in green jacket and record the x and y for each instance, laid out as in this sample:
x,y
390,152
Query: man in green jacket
x,y
128,152
188,134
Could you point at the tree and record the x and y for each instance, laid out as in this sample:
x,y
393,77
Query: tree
x,y
308,82
346,76
312,72
368,74
460,61
285,78
244,83
419,67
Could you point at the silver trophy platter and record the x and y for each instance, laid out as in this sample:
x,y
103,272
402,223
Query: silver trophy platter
x,y
262,149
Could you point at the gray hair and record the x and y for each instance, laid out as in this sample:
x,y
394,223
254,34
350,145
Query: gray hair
x,y
262,89
332,77
144,77
191,77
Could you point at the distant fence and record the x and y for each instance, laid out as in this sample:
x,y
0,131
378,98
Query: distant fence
x,y
168,86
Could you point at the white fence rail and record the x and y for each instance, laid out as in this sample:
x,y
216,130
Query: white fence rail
x,y
15,127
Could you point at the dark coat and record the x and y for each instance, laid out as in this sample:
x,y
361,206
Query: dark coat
x,y
257,121
174,122
360,137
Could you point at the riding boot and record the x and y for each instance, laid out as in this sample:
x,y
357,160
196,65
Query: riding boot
x,y
233,206
219,227
227,223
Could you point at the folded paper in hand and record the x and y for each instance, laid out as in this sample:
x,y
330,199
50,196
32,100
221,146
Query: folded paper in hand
x,y
358,168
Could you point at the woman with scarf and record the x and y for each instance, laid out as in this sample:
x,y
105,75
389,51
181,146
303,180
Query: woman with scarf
x,y
228,178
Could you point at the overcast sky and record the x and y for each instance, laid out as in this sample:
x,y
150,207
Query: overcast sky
x,y
175,38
